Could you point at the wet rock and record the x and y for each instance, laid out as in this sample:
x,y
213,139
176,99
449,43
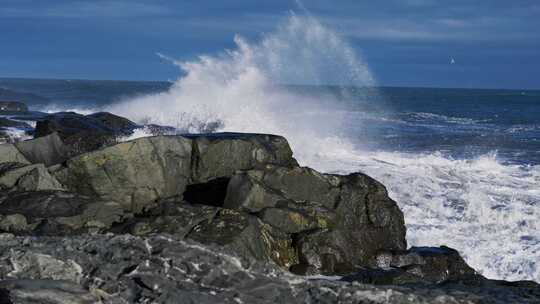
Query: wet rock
x,y
85,133
167,269
56,213
426,264
44,291
12,106
20,177
48,150
245,234
340,222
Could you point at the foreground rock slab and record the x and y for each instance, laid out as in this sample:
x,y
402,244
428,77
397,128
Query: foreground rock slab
x,y
165,269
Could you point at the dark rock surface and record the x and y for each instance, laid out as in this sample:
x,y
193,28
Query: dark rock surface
x,y
55,213
337,222
166,269
85,133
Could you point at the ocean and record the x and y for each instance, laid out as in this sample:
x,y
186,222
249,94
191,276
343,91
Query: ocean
x,y
462,164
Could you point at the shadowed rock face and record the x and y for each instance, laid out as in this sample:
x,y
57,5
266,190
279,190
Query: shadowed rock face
x,y
197,216
337,222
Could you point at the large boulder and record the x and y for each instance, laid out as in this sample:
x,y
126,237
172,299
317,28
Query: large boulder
x,y
221,154
55,213
85,133
338,222
139,172
134,173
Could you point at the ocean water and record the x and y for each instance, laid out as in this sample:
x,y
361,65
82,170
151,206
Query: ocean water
x,y
463,164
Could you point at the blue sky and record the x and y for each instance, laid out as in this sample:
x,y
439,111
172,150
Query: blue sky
x,y
495,44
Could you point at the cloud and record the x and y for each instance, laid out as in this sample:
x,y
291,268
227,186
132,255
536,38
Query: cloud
x,y
83,9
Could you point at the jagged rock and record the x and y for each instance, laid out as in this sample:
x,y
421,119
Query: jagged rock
x,y
245,234
113,122
56,213
339,221
10,154
139,172
12,106
85,133
418,264
167,269
48,150
21,177
44,292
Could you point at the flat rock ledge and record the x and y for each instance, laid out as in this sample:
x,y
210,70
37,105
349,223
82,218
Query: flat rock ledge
x,y
223,217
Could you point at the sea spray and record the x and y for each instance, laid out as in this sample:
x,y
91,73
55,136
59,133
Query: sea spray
x,y
240,89
488,211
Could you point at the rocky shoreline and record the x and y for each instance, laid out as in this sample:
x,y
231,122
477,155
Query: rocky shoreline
x,y
205,218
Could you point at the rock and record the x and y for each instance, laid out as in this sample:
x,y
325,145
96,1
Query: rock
x,y
85,133
168,269
20,177
12,106
429,263
339,222
48,150
8,154
245,234
115,123
44,291
139,172
221,154
134,173
55,213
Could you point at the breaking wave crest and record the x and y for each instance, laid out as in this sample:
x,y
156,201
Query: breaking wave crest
x,y
488,211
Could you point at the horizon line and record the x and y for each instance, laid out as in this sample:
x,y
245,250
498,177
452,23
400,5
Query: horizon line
x,y
305,85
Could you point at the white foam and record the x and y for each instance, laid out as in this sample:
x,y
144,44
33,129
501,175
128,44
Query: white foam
x,y
488,211
15,134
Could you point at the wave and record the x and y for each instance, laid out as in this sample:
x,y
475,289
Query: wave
x,y
488,211
425,116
